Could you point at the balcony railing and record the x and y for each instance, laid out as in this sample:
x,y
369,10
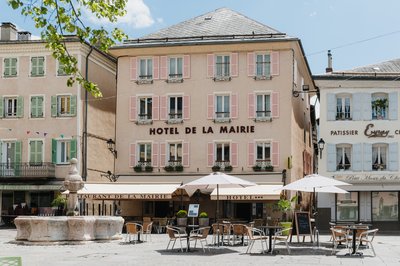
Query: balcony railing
x,y
27,170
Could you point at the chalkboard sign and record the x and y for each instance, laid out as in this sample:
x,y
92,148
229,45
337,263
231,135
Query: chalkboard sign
x,y
301,225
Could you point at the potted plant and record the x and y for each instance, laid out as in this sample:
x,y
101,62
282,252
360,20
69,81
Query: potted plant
x,y
216,168
181,217
148,168
269,168
203,219
137,168
179,168
256,168
285,206
60,203
169,168
228,168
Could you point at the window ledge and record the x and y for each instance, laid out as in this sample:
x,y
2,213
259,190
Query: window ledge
x,y
224,78
144,122
144,81
174,80
263,119
262,77
222,120
174,121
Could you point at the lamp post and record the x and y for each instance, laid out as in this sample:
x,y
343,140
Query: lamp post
x,y
111,147
321,146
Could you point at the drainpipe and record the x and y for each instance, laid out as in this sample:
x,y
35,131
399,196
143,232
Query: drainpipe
x,y
85,120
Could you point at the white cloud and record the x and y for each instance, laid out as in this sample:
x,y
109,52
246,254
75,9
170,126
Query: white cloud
x,y
313,14
137,15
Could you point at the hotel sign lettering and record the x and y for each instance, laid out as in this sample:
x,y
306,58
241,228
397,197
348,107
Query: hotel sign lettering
x,y
124,196
369,132
201,130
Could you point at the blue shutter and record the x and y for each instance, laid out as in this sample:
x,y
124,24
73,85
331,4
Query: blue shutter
x,y
73,149
54,151
367,157
73,105
331,107
366,106
53,106
1,107
393,156
20,106
357,157
18,157
393,105
331,158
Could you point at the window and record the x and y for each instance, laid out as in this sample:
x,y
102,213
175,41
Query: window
x,y
222,152
385,206
11,106
37,66
222,107
379,104
222,66
263,154
63,105
263,106
175,154
175,67
145,108
343,157
10,67
37,106
35,152
146,68
263,65
63,150
379,157
347,207
61,69
175,108
144,154
343,108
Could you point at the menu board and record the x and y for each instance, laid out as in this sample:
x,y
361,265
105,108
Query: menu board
x,y
193,210
301,225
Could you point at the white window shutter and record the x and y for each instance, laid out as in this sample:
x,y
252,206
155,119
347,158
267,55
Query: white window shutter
x,y
330,107
357,107
393,105
331,157
393,156
367,108
367,157
357,157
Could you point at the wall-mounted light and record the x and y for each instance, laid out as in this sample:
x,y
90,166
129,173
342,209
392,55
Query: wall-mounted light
x,y
321,146
110,176
111,147
305,89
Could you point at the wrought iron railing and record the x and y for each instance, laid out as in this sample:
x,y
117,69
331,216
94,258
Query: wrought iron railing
x,y
27,170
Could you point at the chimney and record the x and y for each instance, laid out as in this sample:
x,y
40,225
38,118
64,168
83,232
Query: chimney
x,y
329,69
24,36
8,32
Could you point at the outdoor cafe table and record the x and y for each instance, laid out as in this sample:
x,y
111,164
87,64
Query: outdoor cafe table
x,y
271,231
355,228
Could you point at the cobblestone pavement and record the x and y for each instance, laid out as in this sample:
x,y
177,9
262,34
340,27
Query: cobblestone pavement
x,y
153,252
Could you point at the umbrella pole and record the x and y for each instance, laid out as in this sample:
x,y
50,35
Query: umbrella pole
x,y
218,215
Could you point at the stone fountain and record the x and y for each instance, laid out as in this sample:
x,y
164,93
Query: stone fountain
x,y
71,227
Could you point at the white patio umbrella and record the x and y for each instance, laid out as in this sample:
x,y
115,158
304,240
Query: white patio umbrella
x,y
217,180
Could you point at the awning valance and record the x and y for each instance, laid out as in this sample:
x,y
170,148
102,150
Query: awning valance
x,y
118,191
30,187
259,192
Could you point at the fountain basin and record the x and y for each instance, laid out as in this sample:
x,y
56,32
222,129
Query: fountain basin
x,y
68,228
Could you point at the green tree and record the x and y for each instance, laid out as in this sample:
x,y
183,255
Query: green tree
x,y
59,18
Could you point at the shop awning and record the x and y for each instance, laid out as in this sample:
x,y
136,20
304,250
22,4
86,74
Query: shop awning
x,y
119,191
30,187
259,192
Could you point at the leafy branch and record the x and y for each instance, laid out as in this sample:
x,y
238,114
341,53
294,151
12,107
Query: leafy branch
x,y
59,18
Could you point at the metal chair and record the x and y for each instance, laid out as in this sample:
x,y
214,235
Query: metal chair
x,y
175,234
147,229
133,229
238,233
201,235
254,235
281,235
340,235
367,237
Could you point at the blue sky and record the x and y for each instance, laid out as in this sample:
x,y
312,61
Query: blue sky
x,y
359,32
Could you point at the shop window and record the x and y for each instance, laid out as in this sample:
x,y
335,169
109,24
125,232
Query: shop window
x,y
385,206
347,207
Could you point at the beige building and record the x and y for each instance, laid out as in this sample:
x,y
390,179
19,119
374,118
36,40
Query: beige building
x,y
44,123
213,93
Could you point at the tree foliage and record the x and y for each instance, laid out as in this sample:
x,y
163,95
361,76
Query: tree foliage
x,y
60,18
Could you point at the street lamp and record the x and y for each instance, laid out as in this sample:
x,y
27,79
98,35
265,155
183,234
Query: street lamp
x,y
321,146
111,147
